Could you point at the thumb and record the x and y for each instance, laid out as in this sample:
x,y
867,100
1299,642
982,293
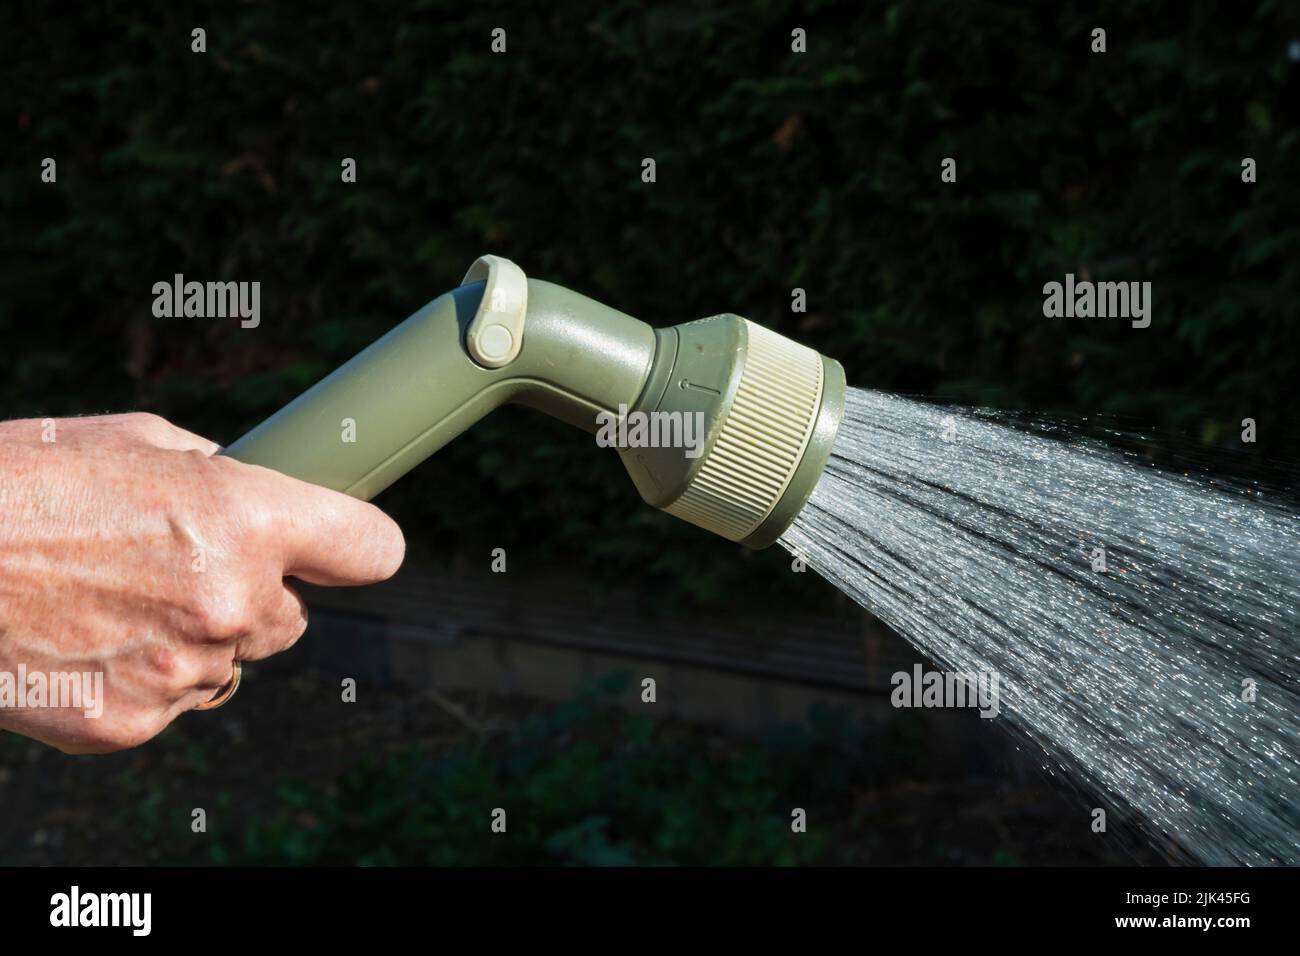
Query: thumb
x,y
331,538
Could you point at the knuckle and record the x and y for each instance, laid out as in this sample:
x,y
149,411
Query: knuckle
x,y
180,671
221,619
164,661
282,627
143,424
292,632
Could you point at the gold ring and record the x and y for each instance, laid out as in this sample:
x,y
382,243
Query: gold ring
x,y
226,692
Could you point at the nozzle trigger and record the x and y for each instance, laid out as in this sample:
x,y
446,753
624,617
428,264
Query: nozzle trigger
x,y
496,333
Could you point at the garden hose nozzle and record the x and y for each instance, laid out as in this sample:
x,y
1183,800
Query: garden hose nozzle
x,y
765,408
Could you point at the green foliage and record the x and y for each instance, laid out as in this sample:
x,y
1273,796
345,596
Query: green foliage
x,y
775,170
586,785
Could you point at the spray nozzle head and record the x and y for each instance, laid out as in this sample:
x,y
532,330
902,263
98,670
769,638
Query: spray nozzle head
x,y
769,410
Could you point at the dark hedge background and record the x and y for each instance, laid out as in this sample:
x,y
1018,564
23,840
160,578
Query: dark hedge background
x,y
775,170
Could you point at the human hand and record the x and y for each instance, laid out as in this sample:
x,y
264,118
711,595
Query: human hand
x,y
130,549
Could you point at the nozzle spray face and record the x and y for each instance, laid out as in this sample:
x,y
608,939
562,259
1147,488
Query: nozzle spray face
x,y
769,408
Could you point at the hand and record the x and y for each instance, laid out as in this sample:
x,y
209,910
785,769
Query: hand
x,y
129,549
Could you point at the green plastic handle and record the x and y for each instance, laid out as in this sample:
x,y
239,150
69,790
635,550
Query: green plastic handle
x,y
414,390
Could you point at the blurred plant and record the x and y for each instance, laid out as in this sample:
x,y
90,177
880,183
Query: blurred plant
x,y
588,785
